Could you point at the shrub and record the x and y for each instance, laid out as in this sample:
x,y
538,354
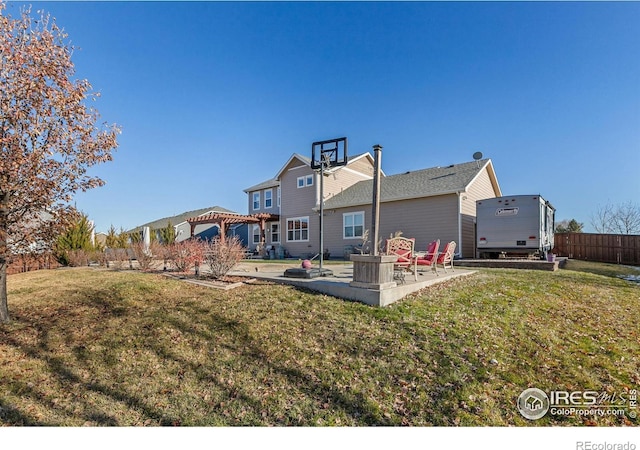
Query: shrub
x,y
222,253
186,254
77,258
145,255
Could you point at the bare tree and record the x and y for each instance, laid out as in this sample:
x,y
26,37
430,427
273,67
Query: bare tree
x,y
49,137
623,218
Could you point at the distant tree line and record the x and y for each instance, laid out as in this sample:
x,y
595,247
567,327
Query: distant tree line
x,y
622,218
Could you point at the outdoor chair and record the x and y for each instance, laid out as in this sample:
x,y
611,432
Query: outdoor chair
x,y
402,248
429,258
446,257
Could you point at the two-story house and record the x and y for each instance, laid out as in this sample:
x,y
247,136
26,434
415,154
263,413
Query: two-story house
x,y
294,196
427,204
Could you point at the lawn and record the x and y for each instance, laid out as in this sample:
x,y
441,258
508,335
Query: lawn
x,y
98,347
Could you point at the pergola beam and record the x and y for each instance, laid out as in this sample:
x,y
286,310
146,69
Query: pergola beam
x,y
225,219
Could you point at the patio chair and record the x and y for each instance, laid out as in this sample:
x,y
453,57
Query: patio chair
x,y
429,258
446,257
402,248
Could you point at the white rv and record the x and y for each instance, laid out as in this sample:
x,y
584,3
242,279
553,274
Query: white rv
x,y
516,225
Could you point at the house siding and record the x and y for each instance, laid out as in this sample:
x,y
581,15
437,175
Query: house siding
x,y
424,219
479,189
303,202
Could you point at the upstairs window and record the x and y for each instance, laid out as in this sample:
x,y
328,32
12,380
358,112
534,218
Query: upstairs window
x,y
307,180
256,200
268,200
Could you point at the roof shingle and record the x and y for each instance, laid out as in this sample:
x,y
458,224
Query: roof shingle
x,y
414,184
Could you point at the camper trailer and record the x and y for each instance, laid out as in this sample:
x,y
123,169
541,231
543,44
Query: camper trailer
x,y
518,225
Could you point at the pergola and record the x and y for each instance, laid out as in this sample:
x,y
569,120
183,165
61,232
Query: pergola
x,y
223,220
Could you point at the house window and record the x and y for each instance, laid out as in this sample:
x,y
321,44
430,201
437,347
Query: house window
x,y
353,225
278,196
256,200
275,232
256,234
298,229
307,180
268,201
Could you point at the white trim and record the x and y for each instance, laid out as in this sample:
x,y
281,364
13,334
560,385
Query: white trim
x,y
492,177
365,176
303,218
353,213
253,200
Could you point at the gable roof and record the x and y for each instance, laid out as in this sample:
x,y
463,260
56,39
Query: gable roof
x,y
264,185
180,218
415,184
274,182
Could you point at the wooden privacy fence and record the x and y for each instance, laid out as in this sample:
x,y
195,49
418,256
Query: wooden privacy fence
x,y
610,248
27,263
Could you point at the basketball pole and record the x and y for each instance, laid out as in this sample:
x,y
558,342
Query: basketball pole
x,y
321,212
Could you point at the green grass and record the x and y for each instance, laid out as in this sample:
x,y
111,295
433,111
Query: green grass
x,y
96,347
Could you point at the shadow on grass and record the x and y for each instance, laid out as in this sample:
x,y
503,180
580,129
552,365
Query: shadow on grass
x,y
54,322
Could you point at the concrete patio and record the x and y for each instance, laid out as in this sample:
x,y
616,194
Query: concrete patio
x,y
338,284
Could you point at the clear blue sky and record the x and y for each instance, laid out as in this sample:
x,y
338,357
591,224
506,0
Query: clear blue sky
x,y
214,97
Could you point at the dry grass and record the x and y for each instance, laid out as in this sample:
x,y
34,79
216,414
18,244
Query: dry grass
x,y
96,347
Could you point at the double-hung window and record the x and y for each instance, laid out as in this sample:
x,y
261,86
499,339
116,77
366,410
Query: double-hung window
x,y
275,232
298,229
353,225
256,201
256,234
268,200
304,181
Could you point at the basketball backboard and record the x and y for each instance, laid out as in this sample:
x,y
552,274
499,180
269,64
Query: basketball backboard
x,y
330,153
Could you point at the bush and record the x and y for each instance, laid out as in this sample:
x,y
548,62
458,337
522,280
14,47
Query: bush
x,y
77,258
144,255
222,253
186,254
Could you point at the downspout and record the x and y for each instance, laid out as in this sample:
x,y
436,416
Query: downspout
x,y
459,223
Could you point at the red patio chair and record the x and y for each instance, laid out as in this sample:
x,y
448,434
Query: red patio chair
x,y
429,259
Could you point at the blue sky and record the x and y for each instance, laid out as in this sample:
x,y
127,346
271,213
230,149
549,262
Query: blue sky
x,y
215,97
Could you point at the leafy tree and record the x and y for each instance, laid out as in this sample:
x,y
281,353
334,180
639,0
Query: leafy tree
x,y
76,237
111,241
122,240
623,218
569,226
168,234
49,137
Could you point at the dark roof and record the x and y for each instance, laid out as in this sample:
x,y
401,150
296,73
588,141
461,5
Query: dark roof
x,y
179,218
264,185
414,184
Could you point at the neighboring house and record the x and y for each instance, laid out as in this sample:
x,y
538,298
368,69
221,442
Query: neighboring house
x,y
204,231
428,204
294,196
